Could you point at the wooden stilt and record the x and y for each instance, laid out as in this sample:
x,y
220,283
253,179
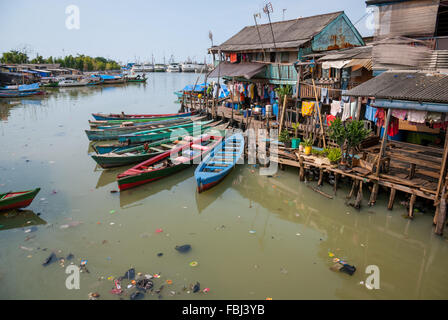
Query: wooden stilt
x,y
441,217
359,197
374,194
390,205
352,191
321,175
411,206
335,186
302,169
436,215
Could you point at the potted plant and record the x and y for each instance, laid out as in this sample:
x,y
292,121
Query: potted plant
x,y
308,144
356,133
334,155
284,137
295,141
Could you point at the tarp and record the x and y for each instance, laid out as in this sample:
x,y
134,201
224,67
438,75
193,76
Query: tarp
x,y
104,76
198,88
242,69
360,63
338,64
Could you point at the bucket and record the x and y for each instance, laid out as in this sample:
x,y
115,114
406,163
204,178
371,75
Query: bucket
x,y
295,142
268,110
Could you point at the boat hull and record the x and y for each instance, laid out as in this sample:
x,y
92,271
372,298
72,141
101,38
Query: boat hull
x,y
100,117
221,160
21,200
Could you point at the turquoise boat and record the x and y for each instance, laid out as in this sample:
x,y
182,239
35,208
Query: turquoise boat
x,y
152,135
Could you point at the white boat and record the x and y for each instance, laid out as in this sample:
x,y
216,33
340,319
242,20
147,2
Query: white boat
x,y
159,67
200,68
173,67
148,68
137,68
73,83
188,67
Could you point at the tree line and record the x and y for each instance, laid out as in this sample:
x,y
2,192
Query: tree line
x,y
80,62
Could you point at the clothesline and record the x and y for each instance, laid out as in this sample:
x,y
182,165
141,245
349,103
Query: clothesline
x,y
317,87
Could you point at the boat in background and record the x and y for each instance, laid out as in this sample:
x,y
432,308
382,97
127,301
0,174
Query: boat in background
x,y
159,67
136,78
188,67
173,67
123,116
168,162
218,164
19,91
17,200
148,68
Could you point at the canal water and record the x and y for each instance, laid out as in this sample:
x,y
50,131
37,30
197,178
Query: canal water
x,y
252,236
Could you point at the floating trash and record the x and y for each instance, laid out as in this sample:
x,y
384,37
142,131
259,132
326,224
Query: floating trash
x,y
252,231
183,248
330,254
169,281
112,211
156,275
206,290
159,230
193,264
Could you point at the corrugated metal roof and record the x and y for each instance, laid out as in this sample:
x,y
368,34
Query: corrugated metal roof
x,y
351,53
405,85
242,69
287,34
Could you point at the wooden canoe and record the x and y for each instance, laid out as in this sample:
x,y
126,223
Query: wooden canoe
x,y
116,132
157,134
168,162
123,116
136,154
216,128
17,200
218,164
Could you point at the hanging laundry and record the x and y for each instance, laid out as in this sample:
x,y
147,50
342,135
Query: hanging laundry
x,y
434,117
380,115
346,113
399,113
272,96
370,113
417,116
324,97
392,130
345,98
307,108
335,107
353,109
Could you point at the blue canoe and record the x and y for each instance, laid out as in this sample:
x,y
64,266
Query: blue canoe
x,y
218,164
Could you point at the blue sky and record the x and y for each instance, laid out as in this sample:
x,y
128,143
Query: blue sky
x,y
136,29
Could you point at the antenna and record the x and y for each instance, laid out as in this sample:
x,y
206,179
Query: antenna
x,y
210,36
258,15
268,9
284,14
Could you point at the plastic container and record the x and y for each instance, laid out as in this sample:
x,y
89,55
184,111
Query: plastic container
x,y
295,143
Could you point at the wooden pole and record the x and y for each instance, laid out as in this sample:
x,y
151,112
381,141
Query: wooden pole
x,y
358,108
441,217
442,168
285,98
411,206
320,116
390,205
374,194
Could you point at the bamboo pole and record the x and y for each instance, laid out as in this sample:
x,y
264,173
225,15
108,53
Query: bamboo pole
x,y
380,155
285,98
320,116
442,168
441,217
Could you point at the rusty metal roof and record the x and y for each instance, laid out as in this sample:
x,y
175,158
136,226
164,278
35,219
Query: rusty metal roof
x,y
287,34
405,85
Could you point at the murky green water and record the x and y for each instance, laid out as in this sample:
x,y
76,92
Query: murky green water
x,y
43,144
